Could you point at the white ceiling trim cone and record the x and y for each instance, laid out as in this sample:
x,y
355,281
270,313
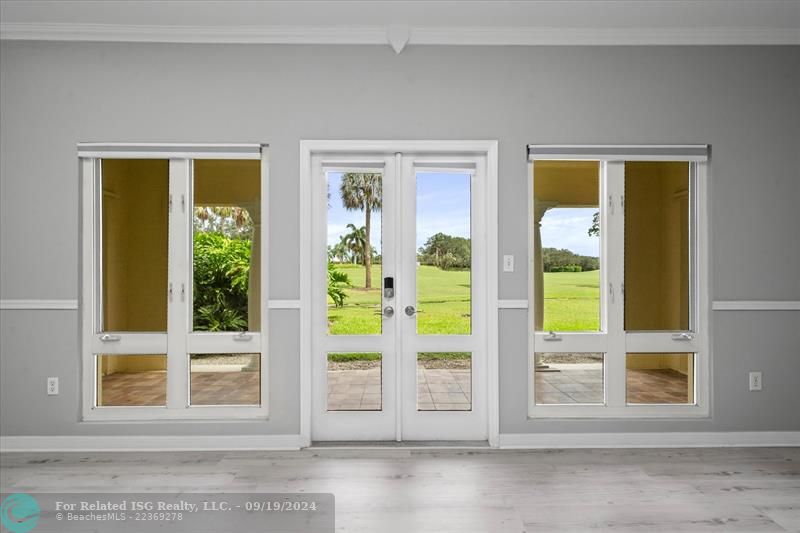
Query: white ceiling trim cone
x,y
398,37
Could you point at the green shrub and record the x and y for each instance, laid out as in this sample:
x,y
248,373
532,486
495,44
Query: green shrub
x,y
337,282
221,280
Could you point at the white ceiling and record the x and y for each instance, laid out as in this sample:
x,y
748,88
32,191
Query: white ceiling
x,y
423,22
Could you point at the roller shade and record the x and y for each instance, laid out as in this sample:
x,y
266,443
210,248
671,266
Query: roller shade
x,y
175,151
637,152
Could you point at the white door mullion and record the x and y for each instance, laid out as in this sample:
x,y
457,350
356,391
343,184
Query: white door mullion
x,y
180,265
397,191
613,253
408,282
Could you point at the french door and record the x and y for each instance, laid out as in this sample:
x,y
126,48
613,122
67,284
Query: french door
x,y
399,296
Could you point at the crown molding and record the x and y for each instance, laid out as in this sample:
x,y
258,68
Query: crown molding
x,y
376,35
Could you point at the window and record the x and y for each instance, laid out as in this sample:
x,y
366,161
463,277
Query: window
x,y
172,280
618,287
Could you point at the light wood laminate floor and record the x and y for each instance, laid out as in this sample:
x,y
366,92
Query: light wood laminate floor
x,y
474,490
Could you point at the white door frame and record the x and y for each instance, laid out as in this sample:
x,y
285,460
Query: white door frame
x,y
487,149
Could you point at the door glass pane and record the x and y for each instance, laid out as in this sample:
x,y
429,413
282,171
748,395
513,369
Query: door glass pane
x,y
444,381
225,379
226,218
567,245
567,378
354,381
656,246
444,253
660,378
135,196
131,380
355,200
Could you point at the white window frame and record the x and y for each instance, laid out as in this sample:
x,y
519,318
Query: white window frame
x,y
617,343
178,342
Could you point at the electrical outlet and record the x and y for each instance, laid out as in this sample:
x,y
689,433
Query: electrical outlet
x,y
755,380
508,263
52,386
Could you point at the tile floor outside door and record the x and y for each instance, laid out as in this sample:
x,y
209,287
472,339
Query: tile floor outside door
x,y
438,389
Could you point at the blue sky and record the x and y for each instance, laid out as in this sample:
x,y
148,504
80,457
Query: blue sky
x,y
568,228
443,205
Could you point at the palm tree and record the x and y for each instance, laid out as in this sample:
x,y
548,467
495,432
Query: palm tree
x,y
363,192
356,241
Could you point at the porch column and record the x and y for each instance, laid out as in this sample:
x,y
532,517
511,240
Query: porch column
x,y
539,209
254,281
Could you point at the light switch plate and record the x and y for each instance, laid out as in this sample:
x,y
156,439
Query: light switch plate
x,y
755,381
508,263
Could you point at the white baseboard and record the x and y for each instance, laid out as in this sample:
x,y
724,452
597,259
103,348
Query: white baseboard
x,y
141,443
650,440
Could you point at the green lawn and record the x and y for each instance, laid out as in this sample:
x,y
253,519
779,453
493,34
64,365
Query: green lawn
x,y
443,303
571,302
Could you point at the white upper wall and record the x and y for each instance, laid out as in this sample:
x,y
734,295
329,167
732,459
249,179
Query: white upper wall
x,y
431,22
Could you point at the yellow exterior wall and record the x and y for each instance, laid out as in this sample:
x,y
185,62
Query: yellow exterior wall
x,y
227,182
134,255
656,246
568,183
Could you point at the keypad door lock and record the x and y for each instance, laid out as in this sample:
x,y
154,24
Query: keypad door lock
x,y
388,287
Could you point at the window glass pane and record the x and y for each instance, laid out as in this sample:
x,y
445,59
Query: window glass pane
x,y
354,381
656,246
660,378
444,381
135,196
568,378
567,245
354,253
225,379
131,380
444,253
227,254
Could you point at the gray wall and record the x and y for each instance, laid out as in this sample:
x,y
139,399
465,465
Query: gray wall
x,y
741,100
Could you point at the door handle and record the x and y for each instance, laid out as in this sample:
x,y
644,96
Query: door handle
x,y
110,338
682,337
243,336
411,311
388,312
552,336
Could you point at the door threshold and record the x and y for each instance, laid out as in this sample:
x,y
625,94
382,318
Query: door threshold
x,y
409,444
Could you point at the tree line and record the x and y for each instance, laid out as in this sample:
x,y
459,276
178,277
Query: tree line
x,y
563,260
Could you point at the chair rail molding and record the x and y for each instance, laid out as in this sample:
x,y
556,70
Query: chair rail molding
x,y
756,305
31,304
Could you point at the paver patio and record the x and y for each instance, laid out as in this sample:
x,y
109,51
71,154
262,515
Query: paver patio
x,y
438,389
583,383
